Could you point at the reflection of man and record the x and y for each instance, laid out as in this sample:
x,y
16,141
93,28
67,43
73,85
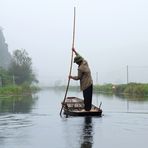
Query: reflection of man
x,y
86,83
87,134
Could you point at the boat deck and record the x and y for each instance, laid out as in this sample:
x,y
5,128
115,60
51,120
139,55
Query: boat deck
x,y
75,107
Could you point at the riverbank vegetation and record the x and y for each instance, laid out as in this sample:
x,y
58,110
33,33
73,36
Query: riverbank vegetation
x,y
18,90
131,89
19,78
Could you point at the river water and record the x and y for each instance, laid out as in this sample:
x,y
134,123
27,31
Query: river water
x,y
34,122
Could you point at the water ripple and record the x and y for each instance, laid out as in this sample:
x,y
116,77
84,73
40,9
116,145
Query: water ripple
x,y
14,121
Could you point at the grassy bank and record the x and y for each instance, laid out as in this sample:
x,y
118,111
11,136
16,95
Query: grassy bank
x,y
17,90
132,89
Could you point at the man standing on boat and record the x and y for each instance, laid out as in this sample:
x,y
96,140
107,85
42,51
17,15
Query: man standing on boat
x,y
86,83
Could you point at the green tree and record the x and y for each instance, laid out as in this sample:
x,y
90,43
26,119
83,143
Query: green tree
x,y
5,78
21,67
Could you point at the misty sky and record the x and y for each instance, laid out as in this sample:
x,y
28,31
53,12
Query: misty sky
x,y
110,34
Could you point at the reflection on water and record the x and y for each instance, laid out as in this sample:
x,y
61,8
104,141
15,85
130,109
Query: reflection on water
x,y
15,117
132,98
13,122
114,103
122,96
17,104
87,136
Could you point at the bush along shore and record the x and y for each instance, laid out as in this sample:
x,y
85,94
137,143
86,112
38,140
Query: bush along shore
x,y
17,90
131,89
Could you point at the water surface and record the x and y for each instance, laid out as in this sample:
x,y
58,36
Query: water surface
x,y
34,122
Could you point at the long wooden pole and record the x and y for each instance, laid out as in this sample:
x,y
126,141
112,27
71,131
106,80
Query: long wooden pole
x,y
70,70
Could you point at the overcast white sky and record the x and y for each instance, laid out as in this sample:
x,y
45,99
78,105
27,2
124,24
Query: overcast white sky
x,y
110,34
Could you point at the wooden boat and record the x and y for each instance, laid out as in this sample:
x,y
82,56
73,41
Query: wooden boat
x,y
74,106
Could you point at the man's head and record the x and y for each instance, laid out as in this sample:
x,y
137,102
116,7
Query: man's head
x,y
78,59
